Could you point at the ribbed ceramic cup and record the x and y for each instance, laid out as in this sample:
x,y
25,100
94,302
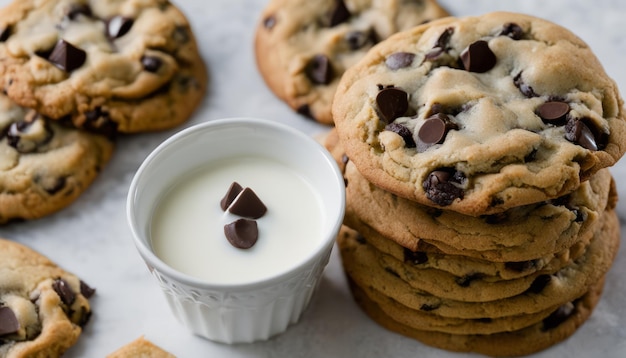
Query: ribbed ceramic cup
x,y
237,313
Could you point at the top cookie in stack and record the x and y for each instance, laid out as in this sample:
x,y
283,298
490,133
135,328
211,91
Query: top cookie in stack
x,y
481,114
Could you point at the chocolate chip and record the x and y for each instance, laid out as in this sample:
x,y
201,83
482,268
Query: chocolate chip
x,y
434,131
319,70
361,239
99,121
523,87
358,39
248,205
466,280
521,266
118,26
441,46
85,316
76,10
512,30
392,103
539,283
415,257
553,112
340,14
443,186
403,132
269,22
8,321
576,131
27,136
86,290
559,316
151,63
478,57
242,233
66,56
63,289
230,196
53,185
399,60
305,110
6,33
427,308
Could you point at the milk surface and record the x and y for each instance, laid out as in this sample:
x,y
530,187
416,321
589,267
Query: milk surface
x,y
187,230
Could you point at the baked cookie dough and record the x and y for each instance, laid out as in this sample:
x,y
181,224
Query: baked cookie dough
x,y
44,165
42,307
141,348
480,114
303,47
127,66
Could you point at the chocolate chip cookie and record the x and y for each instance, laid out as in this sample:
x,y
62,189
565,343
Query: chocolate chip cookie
x,y
109,66
44,165
42,307
303,47
480,114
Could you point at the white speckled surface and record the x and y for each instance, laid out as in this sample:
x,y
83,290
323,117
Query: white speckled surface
x,y
91,238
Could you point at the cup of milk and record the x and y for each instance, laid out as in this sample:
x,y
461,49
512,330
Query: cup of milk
x,y
183,213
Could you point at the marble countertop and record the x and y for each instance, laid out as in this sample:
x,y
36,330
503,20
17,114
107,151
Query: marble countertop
x,y
91,238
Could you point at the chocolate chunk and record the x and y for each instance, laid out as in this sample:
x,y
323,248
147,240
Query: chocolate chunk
x,y
86,290
539,284
230,196
399,60
118,26
576,131
76,10
434,131
559,316
8,321
443,186
99,121
478,57
151,63
403,132
358,39
63,289
269,22
512,30
553,112
415,257
466,280
85,315
319,70
6,33
521,266
392,103
427,308
66,56
248,205
361,239
53,185
523,87
27,136
305,110
242,233
441,46
340,14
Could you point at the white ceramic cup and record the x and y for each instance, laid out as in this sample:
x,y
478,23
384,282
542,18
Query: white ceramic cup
x,y
237,313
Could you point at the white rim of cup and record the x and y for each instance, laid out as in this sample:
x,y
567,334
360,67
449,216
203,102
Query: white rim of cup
x,y
153,260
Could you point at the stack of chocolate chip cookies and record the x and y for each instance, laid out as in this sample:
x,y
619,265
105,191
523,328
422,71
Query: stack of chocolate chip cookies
x,y
74,74
480,210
